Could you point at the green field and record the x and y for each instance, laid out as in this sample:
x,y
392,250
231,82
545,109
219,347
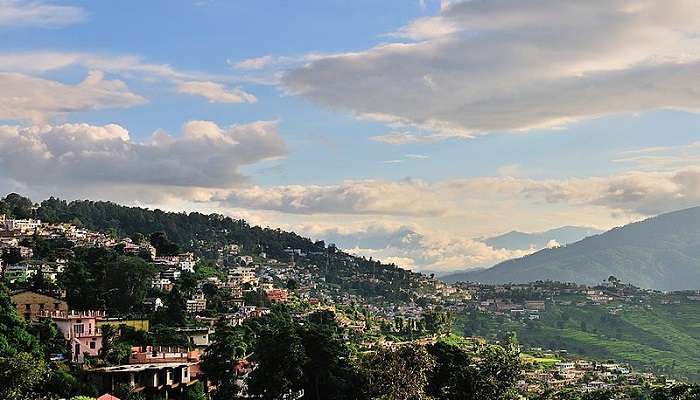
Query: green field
x,y
660,338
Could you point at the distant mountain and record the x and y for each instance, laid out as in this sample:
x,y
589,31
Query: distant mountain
x,y
538,240
661,253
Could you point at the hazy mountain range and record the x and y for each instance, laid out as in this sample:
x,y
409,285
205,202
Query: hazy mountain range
x,y
516,240
662,252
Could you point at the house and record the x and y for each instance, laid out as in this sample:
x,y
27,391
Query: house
x,y
30,305
151,371
80,329
242,275
137,324
535,305
276,295
156,379
197,303
107,396
197,337
162,284
22,225
153,303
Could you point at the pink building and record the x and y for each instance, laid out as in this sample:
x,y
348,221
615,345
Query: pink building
x,y
81,331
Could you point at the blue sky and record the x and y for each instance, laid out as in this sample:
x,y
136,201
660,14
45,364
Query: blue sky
x,y
434,122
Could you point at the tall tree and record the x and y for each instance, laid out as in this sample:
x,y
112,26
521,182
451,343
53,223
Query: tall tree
x,y
397,374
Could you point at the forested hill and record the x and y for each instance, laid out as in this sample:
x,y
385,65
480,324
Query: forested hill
x,y
205,234
660,253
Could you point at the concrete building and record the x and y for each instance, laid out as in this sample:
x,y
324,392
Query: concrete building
x,y
30,305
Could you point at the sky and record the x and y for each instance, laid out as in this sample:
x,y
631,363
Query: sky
x,y
402,130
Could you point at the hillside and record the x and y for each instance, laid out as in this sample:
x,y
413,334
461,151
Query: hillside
x,y
516,240
206,234
653,336
662,253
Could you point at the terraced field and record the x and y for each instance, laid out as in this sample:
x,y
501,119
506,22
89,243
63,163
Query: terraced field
x,y
657,337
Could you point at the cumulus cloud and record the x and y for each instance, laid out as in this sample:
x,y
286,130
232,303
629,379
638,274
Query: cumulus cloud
x,y
410,197
403,245
203,159
216,93
484,66
38,13
636,193
26,97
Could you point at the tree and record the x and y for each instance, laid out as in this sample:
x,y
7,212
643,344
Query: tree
x,y
277,376
49,337
397,374
101,279
195,392
327,373
14,336
21,376
163,245
176,309
18,207
226,349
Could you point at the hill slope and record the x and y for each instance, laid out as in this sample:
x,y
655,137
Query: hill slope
x,y
660,253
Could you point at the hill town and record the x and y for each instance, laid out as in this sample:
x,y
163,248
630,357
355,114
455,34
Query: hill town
x,y
141,316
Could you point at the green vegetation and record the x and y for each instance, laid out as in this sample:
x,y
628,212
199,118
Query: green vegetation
x,y
663,338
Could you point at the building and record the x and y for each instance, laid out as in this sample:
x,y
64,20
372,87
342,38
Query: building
x,y
242,275
22,225
154,373
197,303
137,324
535,305
276,295
81,331
197,337
30,305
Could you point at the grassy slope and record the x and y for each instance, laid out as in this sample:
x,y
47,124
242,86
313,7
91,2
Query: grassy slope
x,y
664,338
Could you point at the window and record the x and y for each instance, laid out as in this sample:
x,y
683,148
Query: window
x,y
185,370
56,306
41,306
78,328
93,344
27,307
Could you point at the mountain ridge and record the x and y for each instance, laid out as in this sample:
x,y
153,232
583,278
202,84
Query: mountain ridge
x,y
661,252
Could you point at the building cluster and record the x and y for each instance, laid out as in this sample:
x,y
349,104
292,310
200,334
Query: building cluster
x,y
583,375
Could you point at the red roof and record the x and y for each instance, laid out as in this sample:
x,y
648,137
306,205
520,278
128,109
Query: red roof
x,y
107,396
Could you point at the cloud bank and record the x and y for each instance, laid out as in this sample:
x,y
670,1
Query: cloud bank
x,y
510,65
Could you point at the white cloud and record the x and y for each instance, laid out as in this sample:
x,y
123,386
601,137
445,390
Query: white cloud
x,y
24,97
99,160
38,13
400,138
352,197
484,66
403,245
25,69
253,63
216,93
418,156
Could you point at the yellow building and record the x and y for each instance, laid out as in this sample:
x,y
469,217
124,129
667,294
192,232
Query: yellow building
x,y
138,324
31,304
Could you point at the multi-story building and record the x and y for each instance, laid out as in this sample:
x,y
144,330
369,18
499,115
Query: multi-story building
x,y
22,225
81,331
30,305
155,373
197,303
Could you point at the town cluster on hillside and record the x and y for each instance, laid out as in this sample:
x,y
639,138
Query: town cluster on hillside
x,y
197,296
